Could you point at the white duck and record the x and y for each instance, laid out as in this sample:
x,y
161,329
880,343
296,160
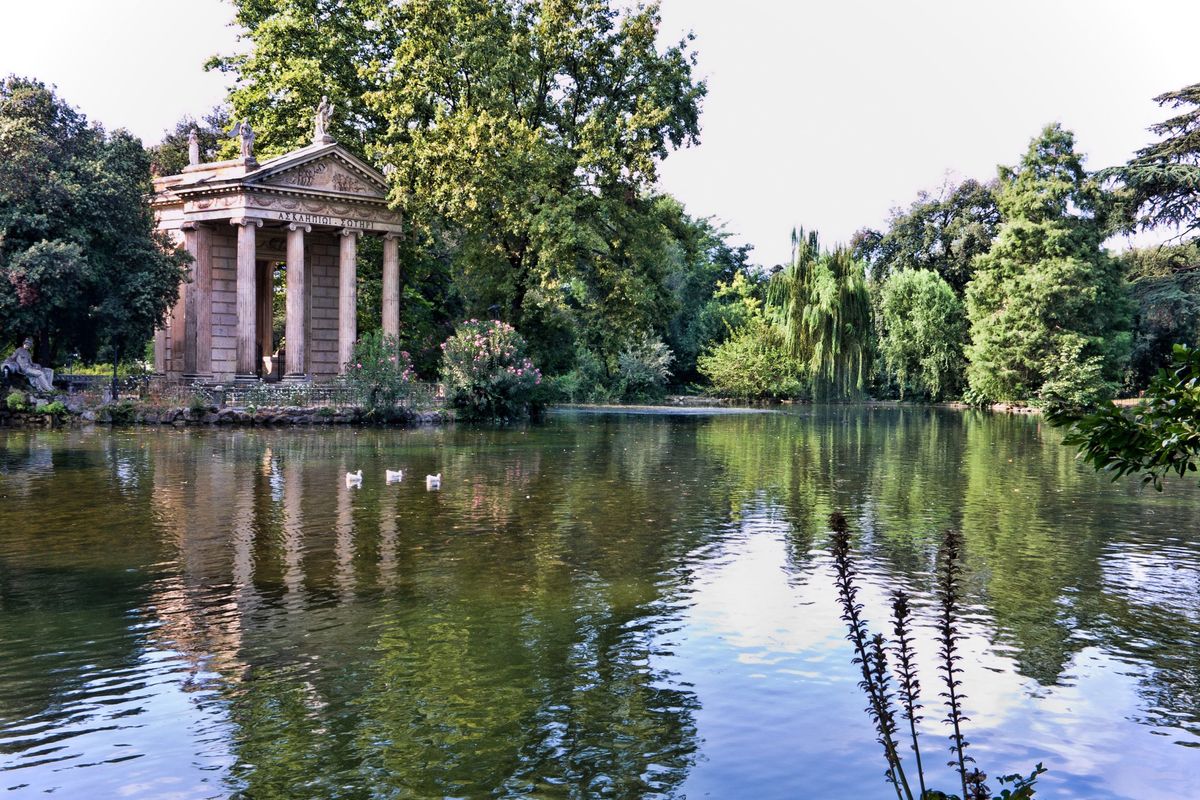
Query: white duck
x,y
394,475
353,479
433,481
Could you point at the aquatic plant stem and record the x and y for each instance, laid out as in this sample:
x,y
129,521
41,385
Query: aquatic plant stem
x,y
909,684
874,670
948,636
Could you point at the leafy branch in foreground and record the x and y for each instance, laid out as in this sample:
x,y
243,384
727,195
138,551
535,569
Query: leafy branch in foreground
x,y
871,656
1160,436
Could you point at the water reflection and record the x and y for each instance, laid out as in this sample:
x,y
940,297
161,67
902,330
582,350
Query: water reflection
x,y
600,606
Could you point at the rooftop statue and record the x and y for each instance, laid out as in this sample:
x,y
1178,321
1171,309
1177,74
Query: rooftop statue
x,y
321,122
245,135
193,148
21,363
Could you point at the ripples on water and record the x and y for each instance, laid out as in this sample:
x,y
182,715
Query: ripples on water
x,y
600,606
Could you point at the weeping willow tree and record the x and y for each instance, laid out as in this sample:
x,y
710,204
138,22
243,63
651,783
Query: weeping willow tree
x,y
822,302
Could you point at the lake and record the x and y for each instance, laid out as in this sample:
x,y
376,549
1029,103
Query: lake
x,y
600,605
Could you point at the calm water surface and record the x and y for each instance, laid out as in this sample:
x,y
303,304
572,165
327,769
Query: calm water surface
x,y
603,605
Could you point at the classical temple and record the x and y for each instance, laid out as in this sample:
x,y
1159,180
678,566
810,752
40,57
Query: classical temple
x,y
241,221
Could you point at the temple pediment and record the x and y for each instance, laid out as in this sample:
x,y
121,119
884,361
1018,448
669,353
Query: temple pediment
x,y
327,170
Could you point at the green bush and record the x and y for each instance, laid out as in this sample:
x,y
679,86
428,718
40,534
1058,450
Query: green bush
x,y
55,409
585,383
121,413
381,374
752,364
16,401
644,369
486,372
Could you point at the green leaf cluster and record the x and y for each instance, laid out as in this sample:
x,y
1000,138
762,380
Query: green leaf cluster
x,y
486,371
1156,438
753,364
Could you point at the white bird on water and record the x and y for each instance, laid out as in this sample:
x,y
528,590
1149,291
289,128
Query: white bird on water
x,y
353,479
433,481
394,475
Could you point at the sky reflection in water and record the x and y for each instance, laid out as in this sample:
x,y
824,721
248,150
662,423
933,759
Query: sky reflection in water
x,y
603,605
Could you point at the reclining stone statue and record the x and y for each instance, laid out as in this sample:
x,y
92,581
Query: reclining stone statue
x,y
21,363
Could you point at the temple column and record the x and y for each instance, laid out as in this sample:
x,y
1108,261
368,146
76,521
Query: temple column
x,y
178,330
197,343
296,330
247,310
160,349
347,296
391,284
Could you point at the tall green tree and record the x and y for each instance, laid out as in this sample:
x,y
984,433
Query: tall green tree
x,y
924,329
1163,178
533,130
82,267
943,233
703,259
1049,316
822,301
522,138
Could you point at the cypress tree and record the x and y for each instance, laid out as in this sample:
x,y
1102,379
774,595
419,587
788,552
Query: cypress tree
x,y
1048,309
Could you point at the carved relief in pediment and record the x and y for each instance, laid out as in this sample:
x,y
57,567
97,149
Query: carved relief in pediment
x,y
327,175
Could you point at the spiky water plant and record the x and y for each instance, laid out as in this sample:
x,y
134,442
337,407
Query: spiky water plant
x,y
871,656
949,576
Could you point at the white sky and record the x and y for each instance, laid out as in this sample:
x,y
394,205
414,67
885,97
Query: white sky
x,y
824,115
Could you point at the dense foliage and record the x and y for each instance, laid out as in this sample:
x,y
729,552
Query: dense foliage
x,y
753,364
381,372
923,330
1156,438
486,371
1047,307
943,233
1164,285
644,368
82,268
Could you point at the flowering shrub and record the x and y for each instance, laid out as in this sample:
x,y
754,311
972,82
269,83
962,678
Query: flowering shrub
x,y
381,373
486,372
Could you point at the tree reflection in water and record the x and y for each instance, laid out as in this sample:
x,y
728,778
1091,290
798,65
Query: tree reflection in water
x,y
519,632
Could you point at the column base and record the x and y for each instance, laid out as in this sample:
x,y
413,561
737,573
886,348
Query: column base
x,y
196,377
296,377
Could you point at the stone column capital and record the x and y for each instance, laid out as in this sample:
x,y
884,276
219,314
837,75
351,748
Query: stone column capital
x,y
299,226
189,226
258,223
355,232
392,236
